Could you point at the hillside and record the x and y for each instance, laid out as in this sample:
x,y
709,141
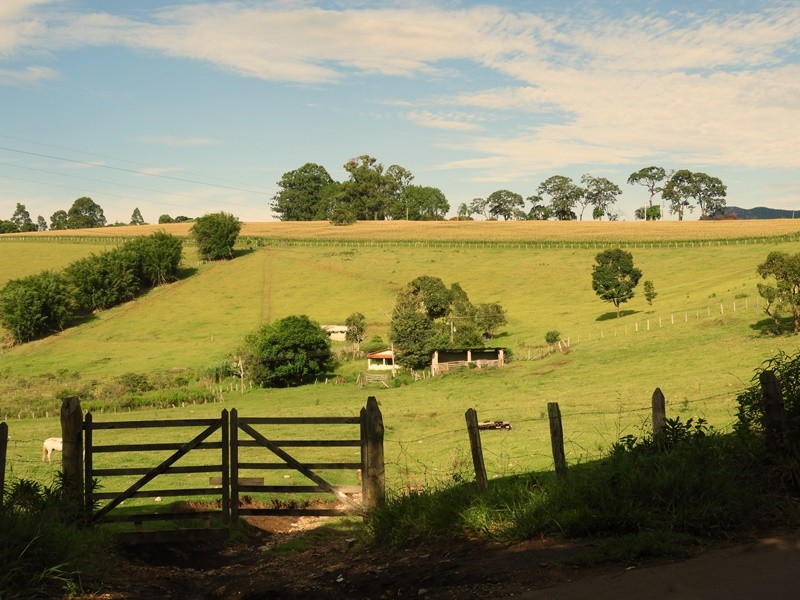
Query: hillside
x,y
760,212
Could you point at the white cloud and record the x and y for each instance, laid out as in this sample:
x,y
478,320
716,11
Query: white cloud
x,y
29,76
442,121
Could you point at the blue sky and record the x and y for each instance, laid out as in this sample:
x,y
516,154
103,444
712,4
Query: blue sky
x,y
187,108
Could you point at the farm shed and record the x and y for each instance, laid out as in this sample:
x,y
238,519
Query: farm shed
x,y
381,360
337,333
447,360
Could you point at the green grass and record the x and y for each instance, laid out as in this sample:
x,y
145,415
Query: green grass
x,y
603,385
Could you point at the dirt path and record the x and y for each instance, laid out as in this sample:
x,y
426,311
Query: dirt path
x,y
533,570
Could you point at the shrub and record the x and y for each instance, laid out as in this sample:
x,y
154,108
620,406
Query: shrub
x,y
292,351
552,337
36,305
215,235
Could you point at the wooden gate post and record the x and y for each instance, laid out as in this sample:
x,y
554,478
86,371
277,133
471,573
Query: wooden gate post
x,y
477,451
72,444
3,449
88,466
774,414
557,440
233,470
373,481
659,412
226,467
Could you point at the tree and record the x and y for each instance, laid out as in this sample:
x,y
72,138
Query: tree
x,y
774,306
649,292
478,207
489,316
651,178
709,192
650,213
58,220
183,219
85,214
420,203
785,268
614,277
539,211
165,219
215,235
304,194
41,224
564,195
356,328
136,217
599,193
502,204
22,219
8,226
464,213
36,305
367,191
289,352
398,180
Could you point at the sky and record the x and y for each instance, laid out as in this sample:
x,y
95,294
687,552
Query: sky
x,y
188,108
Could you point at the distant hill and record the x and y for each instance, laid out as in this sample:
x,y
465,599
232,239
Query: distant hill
x,y
761,212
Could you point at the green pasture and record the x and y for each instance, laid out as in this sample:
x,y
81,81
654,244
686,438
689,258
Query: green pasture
x,y
699,342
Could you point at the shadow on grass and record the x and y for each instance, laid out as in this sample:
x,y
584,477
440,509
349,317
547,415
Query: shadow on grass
x,y
239,252
613,315
767,327
186,272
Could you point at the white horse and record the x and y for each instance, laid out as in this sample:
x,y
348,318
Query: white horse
x,y
49,445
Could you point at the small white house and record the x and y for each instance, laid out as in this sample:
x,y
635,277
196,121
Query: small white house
x,y
381,360
337,333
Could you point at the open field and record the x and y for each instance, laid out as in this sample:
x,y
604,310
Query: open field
x,y
478,231
699,342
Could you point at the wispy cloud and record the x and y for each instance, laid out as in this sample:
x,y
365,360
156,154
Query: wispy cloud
x,y
442,121
27,77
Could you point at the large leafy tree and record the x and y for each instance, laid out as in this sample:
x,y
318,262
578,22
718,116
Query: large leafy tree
x,y
41,224
58,220
489,316
651,178
7,226
85,213
356,325
614,277
136,217
429,316
709,192
367,191
564,195
304,194
502,204
679,192
22,219
785,268
215,235
600,193
289,352
398,180
421,203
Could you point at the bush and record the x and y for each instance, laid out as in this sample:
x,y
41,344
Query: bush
x,y
552,337
215,235
289,352
36,305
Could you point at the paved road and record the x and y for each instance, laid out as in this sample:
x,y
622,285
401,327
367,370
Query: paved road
x,y
768,569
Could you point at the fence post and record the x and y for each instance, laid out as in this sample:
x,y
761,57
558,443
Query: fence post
x,y
774,414
477,451
3,449
226,469
233,471
72,444
88,466
557,440
659,412
374,474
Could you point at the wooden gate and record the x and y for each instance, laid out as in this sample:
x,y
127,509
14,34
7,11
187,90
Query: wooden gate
x,y
239,444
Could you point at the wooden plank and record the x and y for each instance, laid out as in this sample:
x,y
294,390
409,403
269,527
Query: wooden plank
x,y
145,470
205,534
284,466
153,447
305,443
296,489
296,512
166,516
299,420
150,424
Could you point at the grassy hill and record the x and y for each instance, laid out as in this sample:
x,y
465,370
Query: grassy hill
x,y
699,342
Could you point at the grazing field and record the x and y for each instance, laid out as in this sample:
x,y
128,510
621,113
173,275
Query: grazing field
x,y
699,342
